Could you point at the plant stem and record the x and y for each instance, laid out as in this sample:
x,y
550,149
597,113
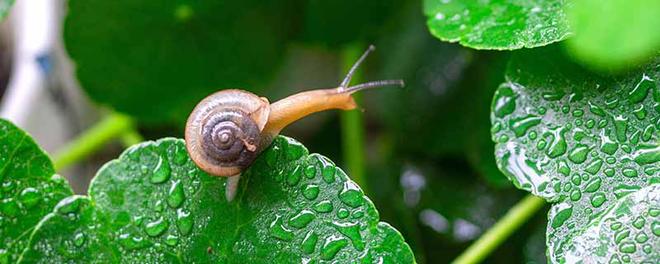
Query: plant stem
x,y
93,139
514,218
131,137
352,124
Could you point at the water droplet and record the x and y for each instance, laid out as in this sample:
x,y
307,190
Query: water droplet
x,y
278,230
342,213
311,191
504,102
30,197
333,244
647,155
576,194
558,143
655,228
156,227
627,247
563,168
598,199
310,171
309,242
329,174
302,219
133,242
641,90
629,172
620,127
162,171
295,176
621,235
351,194
352,231
561,212
594,166
641,238
175,195
323,207
184,221
639,222
79,239
578,154
171,240
593,185
521,125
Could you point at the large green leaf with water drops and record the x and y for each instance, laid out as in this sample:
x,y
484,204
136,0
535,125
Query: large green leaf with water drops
x,y
173,53
4,7
577,139
29,189
75,232
615,33
291,207
629,230
498,24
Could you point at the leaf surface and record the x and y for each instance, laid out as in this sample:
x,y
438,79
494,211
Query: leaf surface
x,y
498,24
575,138
29,189
291,207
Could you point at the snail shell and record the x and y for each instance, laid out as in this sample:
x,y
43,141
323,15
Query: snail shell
x,y
224,131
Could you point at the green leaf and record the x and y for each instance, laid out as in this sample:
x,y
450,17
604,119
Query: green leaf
x,y
155,60
74,233
291,207
29,189
498,24
574,138
615,33
4,7
628,230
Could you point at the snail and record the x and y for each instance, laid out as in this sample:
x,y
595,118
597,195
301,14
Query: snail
x,y
227,130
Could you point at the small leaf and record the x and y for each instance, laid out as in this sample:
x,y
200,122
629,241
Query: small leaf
x,y
499,25
575,138
628,230
29,189
615,33
291,207
74,233
155,60
4,7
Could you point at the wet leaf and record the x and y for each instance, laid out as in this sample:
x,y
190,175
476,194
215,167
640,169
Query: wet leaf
x,y
500,24
4,7
628,231
291,207
574,138
74,233
155,60
615,33
29,189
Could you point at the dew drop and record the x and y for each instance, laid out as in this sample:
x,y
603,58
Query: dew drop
x,y
521,125
156,227
30,197
309,242
79,239
162,171
597,199
352,231
184,221
351,194
310,171
332,245
171,240
175,195
504,102
278,230
302,219
294,177
323,207
311,191
627,247
578,154
561,212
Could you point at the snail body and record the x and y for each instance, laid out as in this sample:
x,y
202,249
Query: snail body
x,y
228,130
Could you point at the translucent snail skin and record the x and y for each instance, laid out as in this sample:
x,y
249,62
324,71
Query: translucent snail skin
x,y
228,129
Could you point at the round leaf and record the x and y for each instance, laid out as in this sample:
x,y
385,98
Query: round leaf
x,y
291,207
155,60
29,189
499,24
576,138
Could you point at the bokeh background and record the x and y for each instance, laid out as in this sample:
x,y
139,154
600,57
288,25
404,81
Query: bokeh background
x,y
422,153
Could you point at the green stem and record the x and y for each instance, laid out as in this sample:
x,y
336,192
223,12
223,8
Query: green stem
x,y
517,215
352,124
93,139
131,137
